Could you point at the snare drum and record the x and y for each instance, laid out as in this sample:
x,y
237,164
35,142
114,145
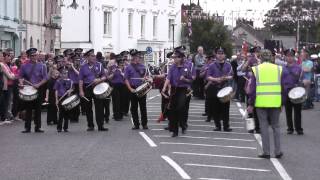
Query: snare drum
x,y
70,102
297,95
102,90
28,93
225,94
143,89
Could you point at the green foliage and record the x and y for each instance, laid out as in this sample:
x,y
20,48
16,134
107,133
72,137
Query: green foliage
x,y
210,34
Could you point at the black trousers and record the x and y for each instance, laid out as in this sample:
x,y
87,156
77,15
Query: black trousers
x,y
99,108
75,112
186,112
126,102
177,110
64,117
118,100
164,106
106,109
289,107
36,106
142,103
254,115
241,94
218,110
52,113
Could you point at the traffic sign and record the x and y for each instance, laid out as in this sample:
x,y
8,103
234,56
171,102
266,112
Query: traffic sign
x,y
148,57
149,50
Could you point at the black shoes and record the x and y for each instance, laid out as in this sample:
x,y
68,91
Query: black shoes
x,y
227,130
38,131
135,128
103,129
279,155
289,131
145,127
26,131
251,131
265,156
90,129
300,132
204,114
217,129
174,135
183,131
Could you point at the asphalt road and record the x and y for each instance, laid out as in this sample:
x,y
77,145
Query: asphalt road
x,y
122,153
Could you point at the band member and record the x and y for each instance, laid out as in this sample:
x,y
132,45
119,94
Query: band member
x,y
116,77
292,80
127,93
73,67
78,53
63,88
219,74
91,74
178,80
135,75
52,112
203,74
36,74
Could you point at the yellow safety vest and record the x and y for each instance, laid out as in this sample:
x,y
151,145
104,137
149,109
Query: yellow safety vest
x,y
268,85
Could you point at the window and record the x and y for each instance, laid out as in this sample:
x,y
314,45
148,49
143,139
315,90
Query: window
x,y
155,27
130,29
31,42
143,23
38,44
107,23
171,2
171,22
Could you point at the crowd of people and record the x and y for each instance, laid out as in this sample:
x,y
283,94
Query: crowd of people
x,y
67,84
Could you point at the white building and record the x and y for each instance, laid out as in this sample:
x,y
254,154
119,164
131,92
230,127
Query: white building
x,y
9,19
117,25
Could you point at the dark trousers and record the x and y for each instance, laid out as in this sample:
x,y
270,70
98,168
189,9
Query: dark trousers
x,y
126,102
186,112
106,109
240,93
164,106
52,113
177,112
198,86
98,104
289,106
36,106
16,102
4,104
64,117
142,103
118,100
219,111
75,112
255,117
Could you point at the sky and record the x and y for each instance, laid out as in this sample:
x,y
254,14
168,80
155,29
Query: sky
x,y
250,9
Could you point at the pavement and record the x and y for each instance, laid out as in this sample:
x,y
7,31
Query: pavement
x,y
122,153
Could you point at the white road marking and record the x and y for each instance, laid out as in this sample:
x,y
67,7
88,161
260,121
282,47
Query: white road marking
x,y
227,167
196,125
216,155
149,141
200,120
208,145
239,104
150,98
198,137
175,166
219,132
212,179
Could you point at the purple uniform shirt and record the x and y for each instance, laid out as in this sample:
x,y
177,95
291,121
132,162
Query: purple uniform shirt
x,y
39,72
291,77
118,78
217,70
252,88
135,71
176,72
88,73
62,86
73,76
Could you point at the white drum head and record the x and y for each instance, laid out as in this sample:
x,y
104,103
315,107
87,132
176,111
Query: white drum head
x,y
297,92
100,88
69,99
141,86
28,90
225,91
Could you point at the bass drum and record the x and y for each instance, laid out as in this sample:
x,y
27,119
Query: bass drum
x,y
297,95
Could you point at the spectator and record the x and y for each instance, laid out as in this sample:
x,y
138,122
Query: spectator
x,y
307,66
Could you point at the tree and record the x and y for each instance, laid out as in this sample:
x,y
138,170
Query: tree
x,y
283,19
210,34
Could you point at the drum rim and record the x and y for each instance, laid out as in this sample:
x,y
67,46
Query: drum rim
x,y
65,103
225,88
142,86
103,84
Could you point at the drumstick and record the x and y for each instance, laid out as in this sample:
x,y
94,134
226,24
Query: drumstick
x,y
137,78
28,82
85,98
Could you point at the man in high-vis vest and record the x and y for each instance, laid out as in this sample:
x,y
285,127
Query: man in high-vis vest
x,y
265,96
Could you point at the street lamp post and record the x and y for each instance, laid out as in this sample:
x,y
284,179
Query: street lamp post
x,y
173,35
